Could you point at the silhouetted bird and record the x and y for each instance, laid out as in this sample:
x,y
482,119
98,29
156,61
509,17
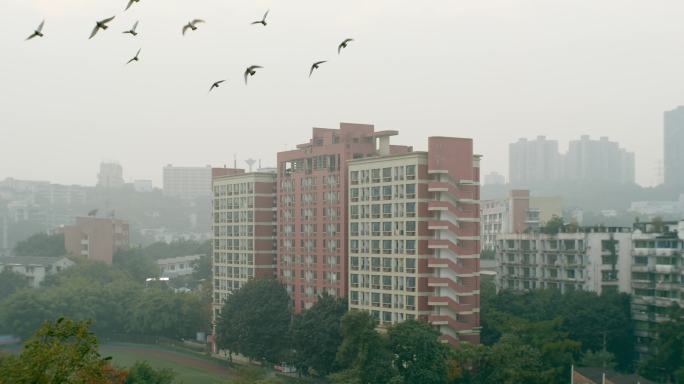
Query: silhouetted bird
x,y
135,58
38,32
216,85
100,25
192,25
263,20
315,66
130,2
93,212
343,45
132,30
250,71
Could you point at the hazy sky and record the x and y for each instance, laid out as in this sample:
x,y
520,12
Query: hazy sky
x,y
494,70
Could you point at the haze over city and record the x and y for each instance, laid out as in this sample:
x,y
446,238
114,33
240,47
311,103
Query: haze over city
x,y
491,70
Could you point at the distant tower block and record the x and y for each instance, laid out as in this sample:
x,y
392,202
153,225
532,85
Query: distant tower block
x,y
250,163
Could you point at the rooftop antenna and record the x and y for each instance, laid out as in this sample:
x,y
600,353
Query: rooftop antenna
x,y
250,163
234,160
259,163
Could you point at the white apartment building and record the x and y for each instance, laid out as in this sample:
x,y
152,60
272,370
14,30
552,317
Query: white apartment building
x,y
657,277
35,269
177,266
594,259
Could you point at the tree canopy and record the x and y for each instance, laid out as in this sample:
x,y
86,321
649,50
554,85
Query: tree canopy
x,y
64,351
41,244
316,335
255,320
11,282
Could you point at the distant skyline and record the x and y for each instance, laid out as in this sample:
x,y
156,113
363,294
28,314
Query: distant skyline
x,y
494,70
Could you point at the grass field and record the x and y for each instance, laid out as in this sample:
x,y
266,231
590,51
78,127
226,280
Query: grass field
x,y
189,368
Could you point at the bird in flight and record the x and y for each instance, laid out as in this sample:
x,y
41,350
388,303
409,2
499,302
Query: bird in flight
x,y
216,85
315,66
130,2
38,32
192,25
263,20
102,24
250,71
134,58
132,30
343,45
93,212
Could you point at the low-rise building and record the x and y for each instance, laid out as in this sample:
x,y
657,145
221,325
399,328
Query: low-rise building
x,y
96,238
35,269
591,259
177,266
657,277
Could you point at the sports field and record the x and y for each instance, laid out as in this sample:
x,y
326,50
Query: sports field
x,y
189,368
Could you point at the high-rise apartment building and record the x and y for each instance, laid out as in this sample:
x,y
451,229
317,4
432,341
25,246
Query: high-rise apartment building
x,y
312,209
598,161
187,183
96,238
657,278
414,237
110,176
591,259
673,144
534,162
244,230
538,162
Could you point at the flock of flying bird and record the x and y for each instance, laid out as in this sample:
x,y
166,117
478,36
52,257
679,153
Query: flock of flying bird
x,y
192,26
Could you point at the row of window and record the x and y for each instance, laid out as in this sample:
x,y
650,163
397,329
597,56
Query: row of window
x,y
309,245
385,211
234,189
234,217
234,203
386,192
384,264
386,174
384,282
310,260
384,300
234,258
234,272
310,229
310,198
385,228
233,230
388,246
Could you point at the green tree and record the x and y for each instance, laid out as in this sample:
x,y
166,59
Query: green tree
x,y
202,268
364,355
553,226
667,365
255,320
316,336
160,312
41,244
11,282
64,351
134,262
600,359
142,373
512,361
419,356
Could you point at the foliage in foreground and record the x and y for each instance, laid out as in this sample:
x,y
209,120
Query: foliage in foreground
x,y
64,351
